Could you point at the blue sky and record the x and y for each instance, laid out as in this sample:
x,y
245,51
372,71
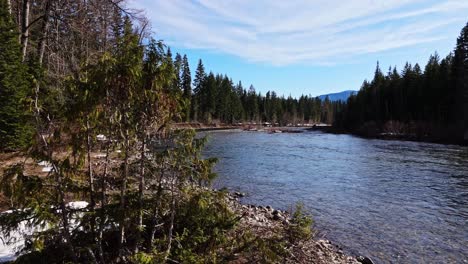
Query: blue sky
x,y
299,47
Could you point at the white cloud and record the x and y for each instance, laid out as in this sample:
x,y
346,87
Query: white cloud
x,y
301,31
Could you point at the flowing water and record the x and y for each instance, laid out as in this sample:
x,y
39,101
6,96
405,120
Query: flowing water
x,y
394,201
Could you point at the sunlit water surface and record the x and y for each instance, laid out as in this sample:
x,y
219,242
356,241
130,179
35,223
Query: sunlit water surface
x,y
395,201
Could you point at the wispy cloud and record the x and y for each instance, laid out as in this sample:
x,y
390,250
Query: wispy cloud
x,y
301,31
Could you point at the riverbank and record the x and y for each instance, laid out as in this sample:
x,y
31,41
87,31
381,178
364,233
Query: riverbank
x,y
259,231
266,222
267,127
380,134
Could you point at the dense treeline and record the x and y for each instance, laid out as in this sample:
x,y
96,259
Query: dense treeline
x,y
89,106
426,104
215,98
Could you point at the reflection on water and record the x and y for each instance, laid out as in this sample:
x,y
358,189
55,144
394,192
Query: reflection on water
x,y
395,201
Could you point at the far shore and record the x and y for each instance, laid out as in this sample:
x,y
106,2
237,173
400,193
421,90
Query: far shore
x,y
253,127
270,128
392,136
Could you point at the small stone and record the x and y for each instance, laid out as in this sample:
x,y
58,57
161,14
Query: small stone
x,y
239,194
364,260
277,216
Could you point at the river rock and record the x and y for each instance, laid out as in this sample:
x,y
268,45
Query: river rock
x,y
239,194
364,260
277,215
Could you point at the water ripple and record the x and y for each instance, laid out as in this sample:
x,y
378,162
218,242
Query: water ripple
x,y
396,201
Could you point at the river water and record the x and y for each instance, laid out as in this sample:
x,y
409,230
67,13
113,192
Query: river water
x,y
394,201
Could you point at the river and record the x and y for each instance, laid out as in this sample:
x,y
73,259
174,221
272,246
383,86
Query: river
x,y
394,201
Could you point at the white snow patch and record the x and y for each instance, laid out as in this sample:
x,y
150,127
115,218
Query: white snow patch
x,y
77,205
47,169
44,163
100,155
15,241
101,137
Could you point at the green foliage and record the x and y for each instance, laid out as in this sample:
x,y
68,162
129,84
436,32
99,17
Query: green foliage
x,y
217,98
186,83
15,84
257,248
147,186
202,223
142,258
430,104
301,225
19,188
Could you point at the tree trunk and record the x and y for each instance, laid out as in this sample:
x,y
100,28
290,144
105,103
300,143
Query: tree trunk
x,y
9,6
25,29
64,214
92,202
103,214
171,221
141,189
171,229
45,31
154,220
123,188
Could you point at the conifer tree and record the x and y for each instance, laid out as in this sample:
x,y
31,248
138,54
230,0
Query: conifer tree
x,y
15,127
200,76
199,98
186,79
461,80
178,71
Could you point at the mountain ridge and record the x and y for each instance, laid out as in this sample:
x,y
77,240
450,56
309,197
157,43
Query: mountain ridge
x,y
340,96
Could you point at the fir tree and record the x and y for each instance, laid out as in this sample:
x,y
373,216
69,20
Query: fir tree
x,y
15,127
178,69
186,80
461,80
200,76
198,99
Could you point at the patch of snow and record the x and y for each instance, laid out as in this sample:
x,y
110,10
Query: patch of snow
x,y
15,240
44,163
100,155
77,205
47,169
101,137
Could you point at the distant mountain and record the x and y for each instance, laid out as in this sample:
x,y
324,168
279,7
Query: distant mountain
x,y
341,96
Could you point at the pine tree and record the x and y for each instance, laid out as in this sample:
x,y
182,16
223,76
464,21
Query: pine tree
x,y
15,127
186,79
178,71
461,80
211,97
200,76
199,98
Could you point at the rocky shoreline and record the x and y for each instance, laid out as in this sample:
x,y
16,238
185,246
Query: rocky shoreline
x,y
264,220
